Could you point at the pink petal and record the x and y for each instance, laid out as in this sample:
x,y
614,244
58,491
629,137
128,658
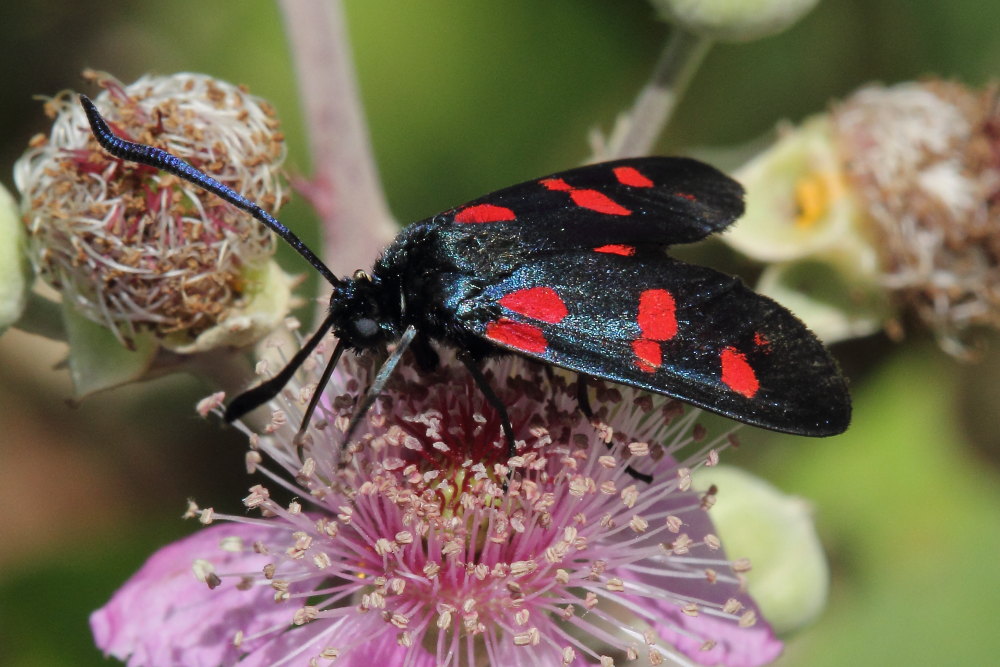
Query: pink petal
x,y
734,646
164,616
363,643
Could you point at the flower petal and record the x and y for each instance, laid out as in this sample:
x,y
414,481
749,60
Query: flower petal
x,y
836,304
163,615
734,646
798,203
371,641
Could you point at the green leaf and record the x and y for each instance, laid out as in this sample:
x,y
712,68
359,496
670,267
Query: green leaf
x,y
98,360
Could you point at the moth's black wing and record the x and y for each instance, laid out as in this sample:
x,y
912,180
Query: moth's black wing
x,y
653,322
570,269
625,203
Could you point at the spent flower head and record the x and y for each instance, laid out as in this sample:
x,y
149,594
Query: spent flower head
x,y
891,202
143,252
415,547
924,160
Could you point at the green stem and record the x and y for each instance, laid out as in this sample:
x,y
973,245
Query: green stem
x,y
637,133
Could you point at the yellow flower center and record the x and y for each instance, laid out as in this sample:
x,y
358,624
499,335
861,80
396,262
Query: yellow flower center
x,y
813,193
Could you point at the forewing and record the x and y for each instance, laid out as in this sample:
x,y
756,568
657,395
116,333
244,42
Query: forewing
x,y
656,323
618,205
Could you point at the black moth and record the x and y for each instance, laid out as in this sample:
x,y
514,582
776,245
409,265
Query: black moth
x,y
570,270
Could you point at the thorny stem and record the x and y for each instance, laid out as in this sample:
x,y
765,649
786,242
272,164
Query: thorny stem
x,y
345,188
637,131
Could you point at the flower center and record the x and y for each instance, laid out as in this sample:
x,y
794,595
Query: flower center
x,y
814,194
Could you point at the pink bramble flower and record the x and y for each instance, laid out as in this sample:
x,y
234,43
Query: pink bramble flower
x,y
415,546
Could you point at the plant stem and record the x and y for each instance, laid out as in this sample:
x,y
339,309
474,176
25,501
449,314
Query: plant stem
x,y
636,133
345,188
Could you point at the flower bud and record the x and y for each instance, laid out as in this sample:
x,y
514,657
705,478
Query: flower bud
x,y
804,219
13,265
789,579
734,20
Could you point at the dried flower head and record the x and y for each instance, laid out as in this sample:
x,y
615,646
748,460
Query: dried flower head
x,y
415,548
924,160
137,250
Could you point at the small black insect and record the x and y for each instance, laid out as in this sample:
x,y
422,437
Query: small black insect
x,y
570,270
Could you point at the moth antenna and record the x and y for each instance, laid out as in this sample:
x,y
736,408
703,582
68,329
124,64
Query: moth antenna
x,y
161,159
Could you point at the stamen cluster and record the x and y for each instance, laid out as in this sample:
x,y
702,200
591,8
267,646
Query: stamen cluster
x,y
421,539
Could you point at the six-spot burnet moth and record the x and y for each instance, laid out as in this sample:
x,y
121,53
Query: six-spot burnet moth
x,y
570,270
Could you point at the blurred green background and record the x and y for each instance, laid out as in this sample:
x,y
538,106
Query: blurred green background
x,y
464,97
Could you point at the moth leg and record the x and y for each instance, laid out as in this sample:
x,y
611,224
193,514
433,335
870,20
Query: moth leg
x,y
493,400
583,401
636,475
426,356
318,392
378,384
264,392
582,397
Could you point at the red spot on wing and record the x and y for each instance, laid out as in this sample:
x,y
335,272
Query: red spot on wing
x,y
517,335
557,184
737,374
586,198
485,213
613,249
686,195
540,303
648,356
632,177
760,340
598,201
657,317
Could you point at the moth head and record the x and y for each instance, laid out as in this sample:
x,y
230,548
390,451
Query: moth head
x,y
360,313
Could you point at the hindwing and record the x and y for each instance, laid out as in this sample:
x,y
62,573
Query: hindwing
x,y
657,323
